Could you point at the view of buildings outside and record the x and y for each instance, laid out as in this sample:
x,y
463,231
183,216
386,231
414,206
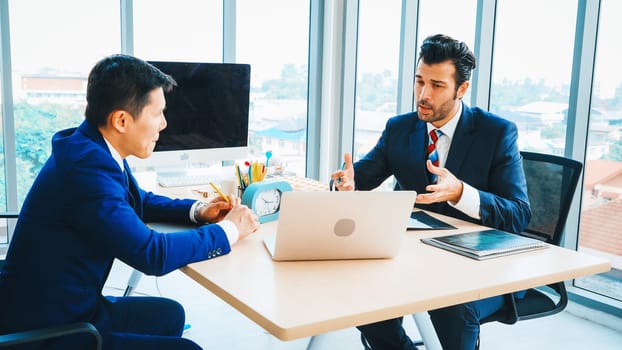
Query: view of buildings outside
x,y
279,78
601,205
531,79
49,75
50,89
3,204
532,89
376,75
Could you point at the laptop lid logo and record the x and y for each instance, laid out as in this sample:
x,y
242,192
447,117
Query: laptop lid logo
x,y
344,227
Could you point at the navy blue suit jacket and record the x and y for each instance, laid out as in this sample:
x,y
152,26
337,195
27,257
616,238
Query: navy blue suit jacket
x,y
77,218
483,153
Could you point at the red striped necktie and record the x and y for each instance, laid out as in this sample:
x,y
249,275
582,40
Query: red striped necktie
x,y
432,153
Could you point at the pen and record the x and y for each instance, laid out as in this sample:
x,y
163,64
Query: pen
x,y
343,166
268,155
219,191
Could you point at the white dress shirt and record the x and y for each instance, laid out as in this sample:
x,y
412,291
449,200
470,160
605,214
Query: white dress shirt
x,y
469,203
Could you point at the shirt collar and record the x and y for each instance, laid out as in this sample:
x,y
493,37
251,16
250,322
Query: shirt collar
x,y
115,155
450,128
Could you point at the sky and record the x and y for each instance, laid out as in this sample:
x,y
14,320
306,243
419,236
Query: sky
x,y
270,33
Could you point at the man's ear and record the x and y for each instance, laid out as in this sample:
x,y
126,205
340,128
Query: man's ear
x,y
462,89
119,120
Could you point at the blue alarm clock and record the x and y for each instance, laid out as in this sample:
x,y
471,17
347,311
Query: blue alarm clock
x,y
264,198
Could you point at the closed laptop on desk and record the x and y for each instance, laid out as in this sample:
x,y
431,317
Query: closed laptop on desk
x,y
341,225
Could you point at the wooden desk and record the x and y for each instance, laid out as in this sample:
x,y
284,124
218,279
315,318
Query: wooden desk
x,y
298,299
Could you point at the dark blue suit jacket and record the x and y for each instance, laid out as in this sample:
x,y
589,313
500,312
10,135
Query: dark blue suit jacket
x,y
483,153
78,217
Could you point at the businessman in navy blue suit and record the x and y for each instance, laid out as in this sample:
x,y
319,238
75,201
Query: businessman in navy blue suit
x,y
479,177
85,209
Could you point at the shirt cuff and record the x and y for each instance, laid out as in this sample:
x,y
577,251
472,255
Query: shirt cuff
x,y
469,202
230,230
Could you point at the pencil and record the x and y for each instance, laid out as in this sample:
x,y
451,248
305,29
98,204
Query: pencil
x,y
241,183
219,191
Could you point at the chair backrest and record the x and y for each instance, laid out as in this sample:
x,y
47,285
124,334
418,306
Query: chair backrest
x,y
42,334
551,184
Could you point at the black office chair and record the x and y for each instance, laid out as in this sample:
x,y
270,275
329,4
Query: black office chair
x,y
551,183
41,334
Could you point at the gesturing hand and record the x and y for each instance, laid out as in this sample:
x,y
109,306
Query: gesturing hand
x,y
344,179
448,188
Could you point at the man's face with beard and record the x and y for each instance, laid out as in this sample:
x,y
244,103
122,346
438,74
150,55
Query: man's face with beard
x,y
435,92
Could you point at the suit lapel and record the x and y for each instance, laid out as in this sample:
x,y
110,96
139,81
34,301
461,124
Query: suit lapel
x,y
464,137
417,143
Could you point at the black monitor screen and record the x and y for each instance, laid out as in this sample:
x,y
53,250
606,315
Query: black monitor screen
x,y
208,108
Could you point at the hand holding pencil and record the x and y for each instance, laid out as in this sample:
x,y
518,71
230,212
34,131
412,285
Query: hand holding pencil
x,y
216,209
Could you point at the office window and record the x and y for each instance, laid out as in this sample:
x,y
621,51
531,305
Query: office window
x,y
4,234
532,70
455,18
273,37
54,44
376,71
601,205
183,30
3,199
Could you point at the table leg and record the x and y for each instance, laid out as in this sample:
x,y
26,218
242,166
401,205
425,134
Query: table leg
x,y
427,332
319,342
132,283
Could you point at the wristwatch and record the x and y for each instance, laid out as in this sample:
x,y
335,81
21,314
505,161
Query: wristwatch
x,y
197,211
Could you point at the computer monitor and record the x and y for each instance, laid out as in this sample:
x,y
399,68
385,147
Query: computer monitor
x,y
207,116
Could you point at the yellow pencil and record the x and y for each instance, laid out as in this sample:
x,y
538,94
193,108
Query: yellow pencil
x,y
219,191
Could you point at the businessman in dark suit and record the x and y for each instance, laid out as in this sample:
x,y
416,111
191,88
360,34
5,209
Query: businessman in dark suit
x,y
85,209
478,175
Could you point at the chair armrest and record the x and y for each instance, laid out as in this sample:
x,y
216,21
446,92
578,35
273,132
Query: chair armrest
x,y
551,307
51,332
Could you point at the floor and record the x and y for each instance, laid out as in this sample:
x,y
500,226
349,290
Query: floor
x,y
215,325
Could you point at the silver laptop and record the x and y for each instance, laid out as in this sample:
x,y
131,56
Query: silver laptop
x,y
341,225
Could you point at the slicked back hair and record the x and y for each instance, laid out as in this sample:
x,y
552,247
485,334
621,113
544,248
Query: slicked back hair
x,y
440,48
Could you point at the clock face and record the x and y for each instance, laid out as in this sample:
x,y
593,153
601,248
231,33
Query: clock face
x,y
267,202
264,198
